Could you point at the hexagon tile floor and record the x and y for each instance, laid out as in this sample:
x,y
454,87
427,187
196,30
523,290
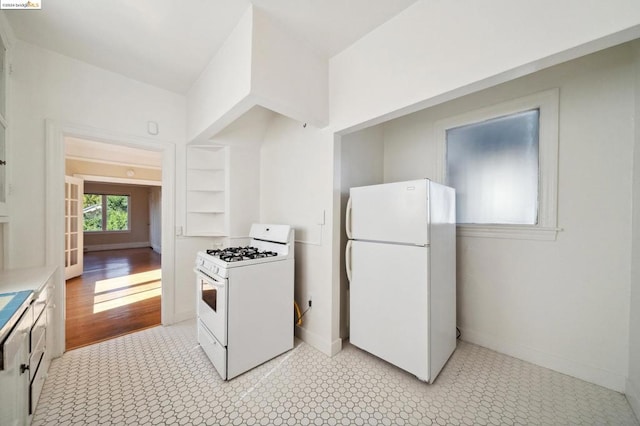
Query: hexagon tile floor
x,y
160,377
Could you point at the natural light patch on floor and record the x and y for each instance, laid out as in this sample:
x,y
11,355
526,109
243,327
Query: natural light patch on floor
x,y
115,292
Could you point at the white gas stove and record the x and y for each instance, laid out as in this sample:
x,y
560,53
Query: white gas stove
x,y
245,300
269,243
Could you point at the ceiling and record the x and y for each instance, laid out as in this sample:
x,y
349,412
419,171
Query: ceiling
x,y
167,43
101,152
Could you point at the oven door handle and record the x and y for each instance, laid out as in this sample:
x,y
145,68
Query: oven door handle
x,y
211,280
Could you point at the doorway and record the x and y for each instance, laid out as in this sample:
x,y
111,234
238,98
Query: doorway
x,y
111,215
56,159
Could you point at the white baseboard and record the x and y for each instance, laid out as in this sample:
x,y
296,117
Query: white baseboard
x,y
119,246
156,248
633,396
321,344
581,371
336,346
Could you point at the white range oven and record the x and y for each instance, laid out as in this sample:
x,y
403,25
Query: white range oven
x,y
245,300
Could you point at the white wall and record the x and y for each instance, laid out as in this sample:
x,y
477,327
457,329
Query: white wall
x,y
155,218
633,381
438,50
46,85
296,175
562,304
244,137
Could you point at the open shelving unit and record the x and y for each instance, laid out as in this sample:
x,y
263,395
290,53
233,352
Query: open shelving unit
x,y
207,190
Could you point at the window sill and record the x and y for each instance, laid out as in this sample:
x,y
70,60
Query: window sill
x,y
518,232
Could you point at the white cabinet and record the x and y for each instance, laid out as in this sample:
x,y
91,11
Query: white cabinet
x,y
14,377
26,344
207,191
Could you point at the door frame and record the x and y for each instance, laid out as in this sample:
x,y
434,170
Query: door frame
x,y
56,131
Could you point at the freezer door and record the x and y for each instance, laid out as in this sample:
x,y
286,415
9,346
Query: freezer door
x,y
395,212
389,309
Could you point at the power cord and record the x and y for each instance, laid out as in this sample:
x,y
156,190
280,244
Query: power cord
x,y
298,320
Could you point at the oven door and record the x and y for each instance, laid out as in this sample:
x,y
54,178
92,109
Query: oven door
x,y
212,304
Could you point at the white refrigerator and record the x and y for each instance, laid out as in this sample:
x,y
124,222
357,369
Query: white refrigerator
x,y
401,265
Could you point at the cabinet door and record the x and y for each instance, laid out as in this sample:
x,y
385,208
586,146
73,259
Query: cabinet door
x,y
14,379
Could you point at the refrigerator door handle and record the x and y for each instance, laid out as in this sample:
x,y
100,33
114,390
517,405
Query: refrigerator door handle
x,y
347,220
347,259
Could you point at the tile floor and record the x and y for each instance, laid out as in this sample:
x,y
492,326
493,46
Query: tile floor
x,y
160,376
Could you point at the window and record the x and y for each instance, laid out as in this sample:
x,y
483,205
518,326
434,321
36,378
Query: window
x,y
494,167
105,213
502,161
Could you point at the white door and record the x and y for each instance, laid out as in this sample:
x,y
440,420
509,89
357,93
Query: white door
x,y
394,212
73,231
389,303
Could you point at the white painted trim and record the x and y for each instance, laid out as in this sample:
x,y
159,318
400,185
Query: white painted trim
x,y
508,231
127,181
119,246
633,396
336,346
327,347
589,373
156,248
55,170
54,233
112,163
548,104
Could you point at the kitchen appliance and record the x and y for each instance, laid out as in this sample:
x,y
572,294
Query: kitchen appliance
x,y
401,266
245,300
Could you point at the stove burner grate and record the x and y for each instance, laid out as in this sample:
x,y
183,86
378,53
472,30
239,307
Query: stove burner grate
x,y
236,254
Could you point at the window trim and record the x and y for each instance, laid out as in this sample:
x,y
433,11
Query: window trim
x,y
548,104
104,214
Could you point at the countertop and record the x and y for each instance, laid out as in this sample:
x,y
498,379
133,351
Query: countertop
x,y
17,289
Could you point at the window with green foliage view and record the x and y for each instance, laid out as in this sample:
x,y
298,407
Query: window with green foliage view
x,y
105,212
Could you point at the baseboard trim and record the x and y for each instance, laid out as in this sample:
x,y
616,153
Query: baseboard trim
x,y
313,339
584,372
633,396
156,248
336,346
119,246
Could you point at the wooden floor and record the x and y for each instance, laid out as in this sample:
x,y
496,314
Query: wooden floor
x,y
118,293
